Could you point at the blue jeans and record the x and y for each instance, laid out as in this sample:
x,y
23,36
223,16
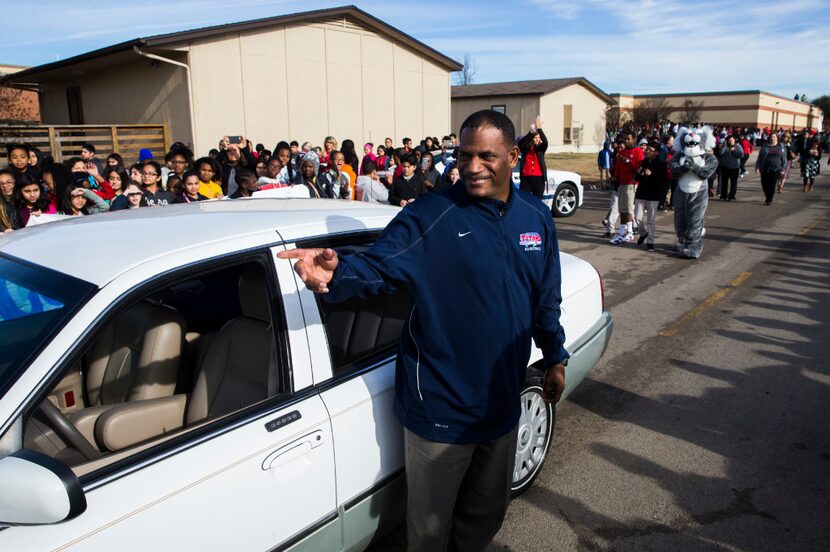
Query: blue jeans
x,y
689,212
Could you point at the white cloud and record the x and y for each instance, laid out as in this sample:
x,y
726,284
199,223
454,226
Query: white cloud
x,y
665,46
560,9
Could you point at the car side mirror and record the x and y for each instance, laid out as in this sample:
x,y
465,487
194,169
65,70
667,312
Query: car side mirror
x,y
38,490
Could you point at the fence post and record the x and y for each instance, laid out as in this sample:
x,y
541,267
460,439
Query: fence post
x,y
114,132
53,145
166,138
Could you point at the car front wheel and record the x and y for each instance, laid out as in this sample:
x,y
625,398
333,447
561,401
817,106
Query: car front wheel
x,y
565,200
535,433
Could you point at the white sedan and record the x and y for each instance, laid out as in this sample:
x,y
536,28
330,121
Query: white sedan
x,y
563,190
178,388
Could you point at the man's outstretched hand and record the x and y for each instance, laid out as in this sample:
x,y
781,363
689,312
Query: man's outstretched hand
x,y
314,266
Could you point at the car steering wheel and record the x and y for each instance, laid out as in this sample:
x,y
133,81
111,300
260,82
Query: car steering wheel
x,y
66,430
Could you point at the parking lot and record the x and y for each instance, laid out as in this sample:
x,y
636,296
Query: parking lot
x,y
704,427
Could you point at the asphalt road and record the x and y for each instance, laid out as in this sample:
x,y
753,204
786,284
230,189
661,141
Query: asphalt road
x,y
705,425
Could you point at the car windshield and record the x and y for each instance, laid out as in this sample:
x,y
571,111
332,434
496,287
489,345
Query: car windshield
x,y
35,303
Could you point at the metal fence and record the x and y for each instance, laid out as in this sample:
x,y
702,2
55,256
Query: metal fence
x,y
65,141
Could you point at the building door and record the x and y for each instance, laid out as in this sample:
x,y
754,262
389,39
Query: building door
x,y
75,105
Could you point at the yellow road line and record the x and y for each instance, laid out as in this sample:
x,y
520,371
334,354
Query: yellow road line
x,y
675,326
809,227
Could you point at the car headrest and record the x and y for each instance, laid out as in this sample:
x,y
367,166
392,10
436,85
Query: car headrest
x,y
253,297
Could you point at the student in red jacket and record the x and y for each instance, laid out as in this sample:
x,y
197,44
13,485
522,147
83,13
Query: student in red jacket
x,y
746,145
626,166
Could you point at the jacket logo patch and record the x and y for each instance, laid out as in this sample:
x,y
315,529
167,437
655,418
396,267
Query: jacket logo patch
x,y
531,241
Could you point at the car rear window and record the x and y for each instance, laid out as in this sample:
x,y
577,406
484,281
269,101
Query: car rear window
x,y
35,303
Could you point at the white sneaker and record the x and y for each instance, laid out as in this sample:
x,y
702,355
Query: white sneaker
x,y
702,232
628,238
616,240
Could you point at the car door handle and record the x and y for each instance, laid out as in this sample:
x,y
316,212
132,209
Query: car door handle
x,y
293,450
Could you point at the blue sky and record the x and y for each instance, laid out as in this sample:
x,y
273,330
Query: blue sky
x,y
635,46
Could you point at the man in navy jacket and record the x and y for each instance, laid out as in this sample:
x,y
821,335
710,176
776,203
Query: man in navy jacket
x,y
481,263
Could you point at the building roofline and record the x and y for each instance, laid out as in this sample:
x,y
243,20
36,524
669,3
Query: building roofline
x,y
559,85
721,93
242,26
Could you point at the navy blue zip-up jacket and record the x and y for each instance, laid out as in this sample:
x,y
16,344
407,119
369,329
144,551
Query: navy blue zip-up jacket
x,y
484,279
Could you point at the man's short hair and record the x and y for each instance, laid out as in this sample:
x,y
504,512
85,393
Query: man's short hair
x,y
499,121
409,158
369,167
294,143
405,140
88,147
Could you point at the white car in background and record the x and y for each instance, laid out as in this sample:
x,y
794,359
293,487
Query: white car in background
x,y
187,392
563,191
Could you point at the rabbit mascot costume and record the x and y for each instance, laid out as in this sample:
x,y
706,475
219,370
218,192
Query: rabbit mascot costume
x,y
692,165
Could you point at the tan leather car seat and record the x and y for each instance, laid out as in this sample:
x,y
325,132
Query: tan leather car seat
x,y
136,357
240,366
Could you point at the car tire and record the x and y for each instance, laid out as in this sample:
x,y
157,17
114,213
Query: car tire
x,y
565,200
535,435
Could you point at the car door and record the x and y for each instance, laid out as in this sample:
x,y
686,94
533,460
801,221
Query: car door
x,y
259,477
354,369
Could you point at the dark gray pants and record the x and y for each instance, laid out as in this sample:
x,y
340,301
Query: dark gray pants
x,y
458,494
689,212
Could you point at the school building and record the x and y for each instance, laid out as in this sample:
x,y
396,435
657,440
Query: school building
x,y
572,109
743,108
303,76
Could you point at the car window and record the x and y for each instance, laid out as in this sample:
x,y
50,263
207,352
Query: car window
x,y
363,331
34,305
197,349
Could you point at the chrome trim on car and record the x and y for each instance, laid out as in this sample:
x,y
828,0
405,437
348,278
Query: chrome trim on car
x,y
308,531
385,482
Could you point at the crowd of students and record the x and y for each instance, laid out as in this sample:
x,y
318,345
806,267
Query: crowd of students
x,y
34,184
653,181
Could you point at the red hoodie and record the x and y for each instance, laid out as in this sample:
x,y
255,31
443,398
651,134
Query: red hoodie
x,y
627,164
746,146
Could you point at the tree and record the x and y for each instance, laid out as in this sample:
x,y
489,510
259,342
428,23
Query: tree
x,y
468,72
823,103
15,108
614,117
691,112
651,111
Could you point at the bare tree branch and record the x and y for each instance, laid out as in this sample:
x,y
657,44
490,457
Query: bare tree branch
x,y
651,111
468,72
15,108
691,112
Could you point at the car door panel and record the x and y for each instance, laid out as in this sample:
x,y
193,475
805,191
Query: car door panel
x,y
261,478
214,495
368,441
368,438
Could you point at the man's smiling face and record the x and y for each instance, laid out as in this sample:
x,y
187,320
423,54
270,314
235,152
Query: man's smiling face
x,y
485,162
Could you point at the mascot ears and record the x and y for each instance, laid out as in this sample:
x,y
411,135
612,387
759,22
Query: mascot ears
x,y
705,136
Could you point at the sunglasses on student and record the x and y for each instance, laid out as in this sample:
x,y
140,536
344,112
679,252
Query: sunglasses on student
x,y
692,144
